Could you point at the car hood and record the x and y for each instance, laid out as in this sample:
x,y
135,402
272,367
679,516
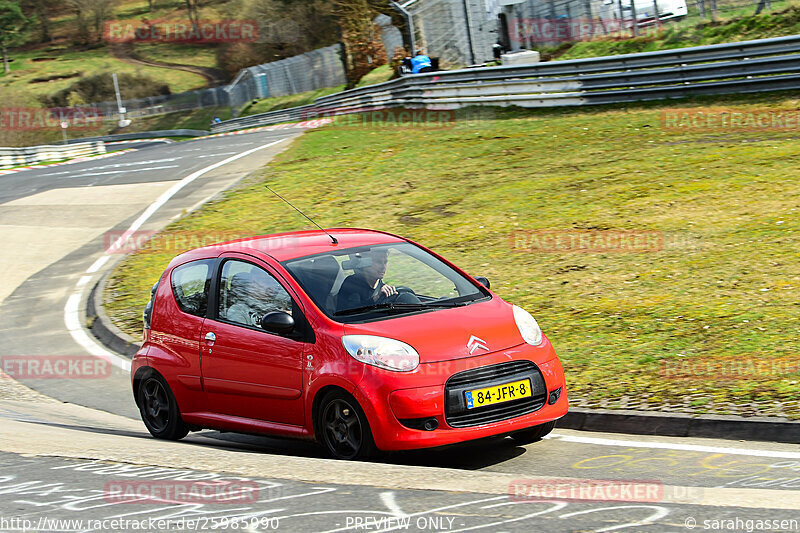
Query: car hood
x,y
447,334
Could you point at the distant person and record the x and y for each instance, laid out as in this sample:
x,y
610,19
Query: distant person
x,y
497,51
421,63
217,120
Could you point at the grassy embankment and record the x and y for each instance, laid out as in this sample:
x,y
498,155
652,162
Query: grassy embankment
x,y
62,58
733,26
721,296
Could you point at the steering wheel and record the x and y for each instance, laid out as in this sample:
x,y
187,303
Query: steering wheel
x,y
393,298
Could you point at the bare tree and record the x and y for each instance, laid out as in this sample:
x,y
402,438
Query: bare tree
x,y
361,37
13,29
193,8
42,10
91,17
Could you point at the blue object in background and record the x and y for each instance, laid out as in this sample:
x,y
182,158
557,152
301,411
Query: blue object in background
x,y
420,62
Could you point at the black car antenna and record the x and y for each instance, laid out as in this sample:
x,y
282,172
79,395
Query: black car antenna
x,y
333,239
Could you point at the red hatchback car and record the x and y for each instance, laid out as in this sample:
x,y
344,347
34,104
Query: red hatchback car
x,y
359,339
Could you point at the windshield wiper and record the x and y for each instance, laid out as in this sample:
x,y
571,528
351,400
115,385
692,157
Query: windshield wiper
x,y
398,307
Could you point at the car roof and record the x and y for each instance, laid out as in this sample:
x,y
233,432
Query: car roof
x,y
293,244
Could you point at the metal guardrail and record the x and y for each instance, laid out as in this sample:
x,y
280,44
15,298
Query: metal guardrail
x,y
141,135
747,66
293,114
12,157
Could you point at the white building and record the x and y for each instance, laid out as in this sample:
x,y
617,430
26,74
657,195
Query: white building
x,y
463,32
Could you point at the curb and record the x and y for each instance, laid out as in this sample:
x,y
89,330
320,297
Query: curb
x,y
141,136
656,423
68,162
103,328
306,124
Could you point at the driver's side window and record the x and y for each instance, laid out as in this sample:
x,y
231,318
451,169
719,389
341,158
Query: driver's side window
x,y
248,292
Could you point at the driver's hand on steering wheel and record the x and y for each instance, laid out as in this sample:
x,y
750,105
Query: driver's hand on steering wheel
x,y
387,291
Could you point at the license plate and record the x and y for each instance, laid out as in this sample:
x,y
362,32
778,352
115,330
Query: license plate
x,y
499,393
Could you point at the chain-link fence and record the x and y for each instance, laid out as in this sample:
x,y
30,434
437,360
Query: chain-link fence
x,y
463,32
171,103
307,72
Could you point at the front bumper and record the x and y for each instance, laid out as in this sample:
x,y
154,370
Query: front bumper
x,y
394,401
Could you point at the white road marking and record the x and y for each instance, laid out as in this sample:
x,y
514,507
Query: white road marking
x,y
97,265
215,155
389,501
555,506
660,512
116,165
107,172
674,446
73,323
72,309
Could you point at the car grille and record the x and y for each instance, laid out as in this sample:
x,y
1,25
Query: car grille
x,y
458,415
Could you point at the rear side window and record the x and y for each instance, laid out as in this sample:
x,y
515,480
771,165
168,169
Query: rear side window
x,y
190,284
247,293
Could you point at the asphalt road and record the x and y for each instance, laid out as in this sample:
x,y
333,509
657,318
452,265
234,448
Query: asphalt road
x,y
55,225
84,495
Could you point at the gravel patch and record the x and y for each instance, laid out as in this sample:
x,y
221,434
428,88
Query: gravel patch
x,y
11,389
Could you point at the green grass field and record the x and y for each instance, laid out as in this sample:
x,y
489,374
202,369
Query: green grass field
x,y
35,70
183,54
30,66
706,323
275,103
198,119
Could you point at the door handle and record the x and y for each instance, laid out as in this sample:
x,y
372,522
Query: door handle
x,y
210,337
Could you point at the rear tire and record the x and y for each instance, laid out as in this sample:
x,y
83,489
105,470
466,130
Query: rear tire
x,y
159,409
343,428
527,436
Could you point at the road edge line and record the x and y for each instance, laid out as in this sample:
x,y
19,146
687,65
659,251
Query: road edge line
x,y
72,314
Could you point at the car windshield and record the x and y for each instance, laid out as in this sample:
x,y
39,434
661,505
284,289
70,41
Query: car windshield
x,y
381,281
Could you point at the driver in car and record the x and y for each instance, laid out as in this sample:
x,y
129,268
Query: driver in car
x,y
366,287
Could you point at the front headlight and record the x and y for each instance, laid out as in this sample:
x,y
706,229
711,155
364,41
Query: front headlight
x,y
381,352
528,327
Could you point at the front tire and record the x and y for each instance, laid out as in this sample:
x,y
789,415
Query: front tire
x,y
159,409
536,433
343,427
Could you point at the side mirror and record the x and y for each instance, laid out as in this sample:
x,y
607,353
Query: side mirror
x,y
277,322
483,281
